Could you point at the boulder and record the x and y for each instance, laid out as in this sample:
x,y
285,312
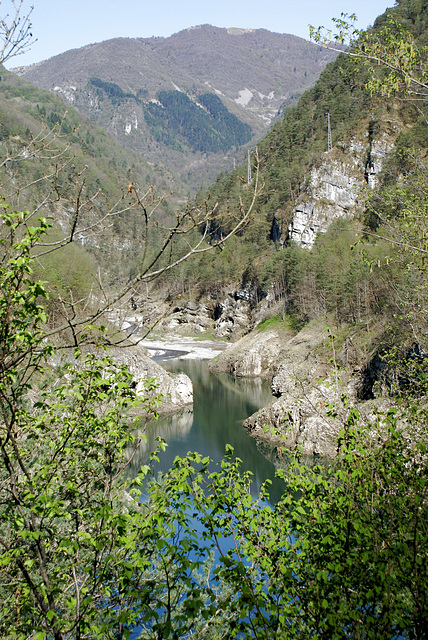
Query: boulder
x,y
253,355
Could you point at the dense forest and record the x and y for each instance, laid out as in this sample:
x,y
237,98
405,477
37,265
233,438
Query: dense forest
x,y
342,554
212,129
175,119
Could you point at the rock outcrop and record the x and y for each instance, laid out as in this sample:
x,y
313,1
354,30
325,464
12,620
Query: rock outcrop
x,y
333,192
299,418
230,313
195,316
299,415
335,187
304,383
254,355
175,391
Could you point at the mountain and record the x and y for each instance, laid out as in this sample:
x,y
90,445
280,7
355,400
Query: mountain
x,y
66,168
331,272
300,254
195,100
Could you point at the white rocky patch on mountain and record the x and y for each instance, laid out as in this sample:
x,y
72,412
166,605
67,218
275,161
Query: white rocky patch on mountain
x,y
336,187
245,97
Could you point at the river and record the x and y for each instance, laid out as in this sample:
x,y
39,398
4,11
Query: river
x,y
221,403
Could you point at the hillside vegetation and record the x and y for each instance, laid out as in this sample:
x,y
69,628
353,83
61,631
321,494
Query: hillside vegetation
x,y
86,551
51,156
346,272
252,74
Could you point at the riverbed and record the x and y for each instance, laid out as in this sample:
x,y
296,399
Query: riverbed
x,y
183,348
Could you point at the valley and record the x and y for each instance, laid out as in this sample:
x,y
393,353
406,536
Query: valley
x,y
252,75
307,257
257,205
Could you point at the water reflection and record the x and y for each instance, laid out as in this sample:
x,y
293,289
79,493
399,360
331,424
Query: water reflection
x,y
221,403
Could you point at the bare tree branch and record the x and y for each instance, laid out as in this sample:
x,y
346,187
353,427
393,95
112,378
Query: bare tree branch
x,y
15,30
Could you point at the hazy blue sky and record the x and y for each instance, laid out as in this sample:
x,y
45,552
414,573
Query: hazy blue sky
x,y
60,25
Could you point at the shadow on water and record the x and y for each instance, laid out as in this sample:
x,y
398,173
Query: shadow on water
x,y
221,403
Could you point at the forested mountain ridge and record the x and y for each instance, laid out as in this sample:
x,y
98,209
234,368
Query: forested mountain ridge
x,y
138,89
346,205
306,185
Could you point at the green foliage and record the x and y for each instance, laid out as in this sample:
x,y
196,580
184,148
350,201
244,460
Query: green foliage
x,y
279,321
179,119
338,276
62,514
297,143
289,151
70,271
114,92
228,125
341,555
52,152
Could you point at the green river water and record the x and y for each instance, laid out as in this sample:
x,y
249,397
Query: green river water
x,y
221,403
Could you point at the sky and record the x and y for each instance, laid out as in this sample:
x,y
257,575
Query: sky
x,y
59,25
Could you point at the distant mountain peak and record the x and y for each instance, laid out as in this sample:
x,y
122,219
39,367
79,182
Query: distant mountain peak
x,y
124,84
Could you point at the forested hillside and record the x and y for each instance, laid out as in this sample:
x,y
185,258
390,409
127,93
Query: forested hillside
x,y
340,275
153,104
61,165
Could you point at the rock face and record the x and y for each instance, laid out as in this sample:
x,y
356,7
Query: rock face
x,y
335,188
230,313
299,417
296,364
196,317
175,390
334,192
252,356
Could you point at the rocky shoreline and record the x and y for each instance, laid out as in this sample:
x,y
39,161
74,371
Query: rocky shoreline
x,y
182,348
307,411
175,390
301,380
305,383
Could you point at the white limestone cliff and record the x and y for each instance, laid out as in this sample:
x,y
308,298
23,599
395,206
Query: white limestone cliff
x,y
337,185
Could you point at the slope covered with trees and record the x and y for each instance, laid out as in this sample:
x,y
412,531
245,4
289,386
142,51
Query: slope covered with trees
x,y
252,72
177,118
68,149
340,275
